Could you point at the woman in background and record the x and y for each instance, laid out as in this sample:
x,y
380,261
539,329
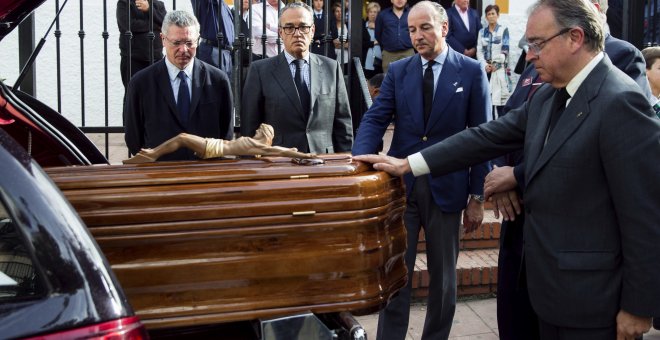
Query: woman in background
x,y
493,53
652,59
341,41
372,56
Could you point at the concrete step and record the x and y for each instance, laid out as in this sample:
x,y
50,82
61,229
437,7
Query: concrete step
x,y
476,273
485,237
477,261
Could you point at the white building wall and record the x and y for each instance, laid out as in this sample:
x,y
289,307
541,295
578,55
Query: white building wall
x,y
94,104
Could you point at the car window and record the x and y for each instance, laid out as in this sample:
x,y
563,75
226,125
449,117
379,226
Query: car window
x,y
18,277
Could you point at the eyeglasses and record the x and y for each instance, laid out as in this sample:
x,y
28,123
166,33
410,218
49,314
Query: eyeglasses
x,y
292,29
189,44
536,47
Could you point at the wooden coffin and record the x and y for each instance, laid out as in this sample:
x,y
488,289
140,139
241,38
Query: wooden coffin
x,y
220,241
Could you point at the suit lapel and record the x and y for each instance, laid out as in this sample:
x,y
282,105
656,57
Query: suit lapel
x,y
282,75
414,95
165,87
199,78
448,83
537,138
574,115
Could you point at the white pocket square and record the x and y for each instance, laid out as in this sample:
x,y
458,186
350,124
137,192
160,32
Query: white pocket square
x,y
460,89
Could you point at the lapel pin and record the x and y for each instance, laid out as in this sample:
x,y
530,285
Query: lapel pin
x,y
455,83
579,114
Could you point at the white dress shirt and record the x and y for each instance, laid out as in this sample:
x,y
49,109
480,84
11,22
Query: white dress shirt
x,y
271,28
175,81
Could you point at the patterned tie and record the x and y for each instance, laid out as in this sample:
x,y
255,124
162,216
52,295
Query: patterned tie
x,y
183,99
303,91
428,90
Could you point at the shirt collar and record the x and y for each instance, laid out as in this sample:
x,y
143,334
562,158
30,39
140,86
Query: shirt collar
x,y
173,70
579,78
290,58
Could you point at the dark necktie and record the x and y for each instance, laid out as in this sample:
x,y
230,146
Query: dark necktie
x,y
428,90
303,91
558,106
183,99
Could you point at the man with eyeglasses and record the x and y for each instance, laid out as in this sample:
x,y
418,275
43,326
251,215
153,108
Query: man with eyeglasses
x,y
179,93
301,94
514,312
591,144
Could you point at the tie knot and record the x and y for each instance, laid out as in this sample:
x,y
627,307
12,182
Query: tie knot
x,y
182,75
562,95
299,63
430,63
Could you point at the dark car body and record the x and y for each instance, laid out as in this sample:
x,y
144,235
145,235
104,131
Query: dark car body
x,y
54,280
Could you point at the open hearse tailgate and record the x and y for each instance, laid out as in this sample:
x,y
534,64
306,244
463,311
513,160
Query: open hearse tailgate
x,y
219,241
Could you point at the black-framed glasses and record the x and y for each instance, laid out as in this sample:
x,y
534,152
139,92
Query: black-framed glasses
x,y
187,43
536,47
292,29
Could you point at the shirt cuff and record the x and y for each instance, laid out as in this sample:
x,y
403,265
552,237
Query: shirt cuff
x,y
418,164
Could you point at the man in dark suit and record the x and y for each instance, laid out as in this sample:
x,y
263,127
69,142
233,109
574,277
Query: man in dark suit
x,y
321,40
301,94
464,26
515,316
177,94
458,98
591,212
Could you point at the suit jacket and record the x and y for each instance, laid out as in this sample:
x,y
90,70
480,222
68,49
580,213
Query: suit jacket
x,y
151,116
630,60
591,197
318,45
270,97
458,37
461,100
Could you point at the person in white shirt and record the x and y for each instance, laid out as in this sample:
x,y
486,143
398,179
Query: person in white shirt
x,y
270,22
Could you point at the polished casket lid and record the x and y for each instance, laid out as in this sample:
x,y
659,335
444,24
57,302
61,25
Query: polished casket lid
x,y
218,241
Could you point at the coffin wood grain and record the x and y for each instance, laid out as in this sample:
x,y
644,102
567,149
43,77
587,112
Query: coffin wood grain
x,y
206,242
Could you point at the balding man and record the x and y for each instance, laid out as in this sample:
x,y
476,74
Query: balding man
x,y
430,96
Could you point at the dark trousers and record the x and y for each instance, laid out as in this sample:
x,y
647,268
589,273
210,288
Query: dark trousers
x,y
553,332
516,320
441,230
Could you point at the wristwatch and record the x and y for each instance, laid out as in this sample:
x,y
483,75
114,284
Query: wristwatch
x,y
478,198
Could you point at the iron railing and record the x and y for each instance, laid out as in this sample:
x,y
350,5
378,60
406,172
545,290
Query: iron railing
x,y
242,44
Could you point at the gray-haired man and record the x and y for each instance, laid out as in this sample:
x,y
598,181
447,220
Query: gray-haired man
x,y
178,94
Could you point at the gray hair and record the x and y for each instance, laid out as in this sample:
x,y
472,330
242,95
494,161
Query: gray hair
x,y
438,13
181,19
577,13
308,10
